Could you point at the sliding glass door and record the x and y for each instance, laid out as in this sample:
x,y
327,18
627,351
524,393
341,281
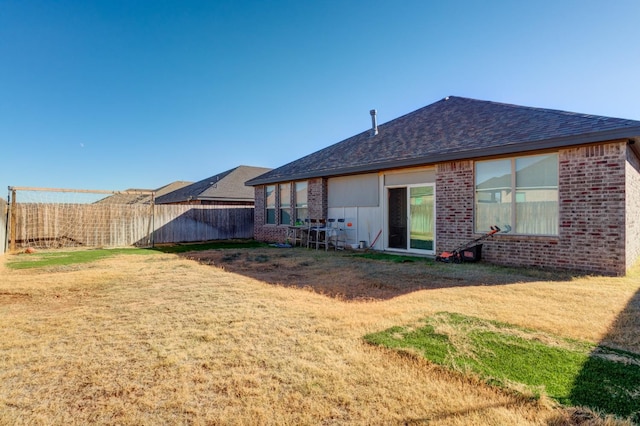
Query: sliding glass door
x,y
422,217
411,218
398,219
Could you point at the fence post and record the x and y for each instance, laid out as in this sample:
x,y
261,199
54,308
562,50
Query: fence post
x,y
153,219
13,228
5,224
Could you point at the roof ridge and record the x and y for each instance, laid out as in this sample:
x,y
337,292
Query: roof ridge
x,y
541,109
454,128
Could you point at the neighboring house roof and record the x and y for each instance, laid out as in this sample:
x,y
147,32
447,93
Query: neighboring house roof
x,y
171,187
454,128
130,197
226,186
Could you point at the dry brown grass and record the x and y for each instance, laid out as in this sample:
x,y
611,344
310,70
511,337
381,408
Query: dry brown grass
x,y
165,340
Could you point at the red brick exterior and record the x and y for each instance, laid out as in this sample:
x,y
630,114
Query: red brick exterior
x,y
599,223
262,231
592,208
592,205
316,199
632,197
454,204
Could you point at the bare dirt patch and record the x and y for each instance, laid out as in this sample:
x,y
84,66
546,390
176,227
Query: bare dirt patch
x,y
348,276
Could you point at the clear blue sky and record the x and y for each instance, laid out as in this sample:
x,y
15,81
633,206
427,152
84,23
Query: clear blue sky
x,y
119,94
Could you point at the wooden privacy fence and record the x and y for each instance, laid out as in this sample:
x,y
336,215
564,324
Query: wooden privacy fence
x,y
117,225
182,223
4,211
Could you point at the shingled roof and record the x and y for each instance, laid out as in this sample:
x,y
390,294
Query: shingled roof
x,y
225,186
130,197
454,128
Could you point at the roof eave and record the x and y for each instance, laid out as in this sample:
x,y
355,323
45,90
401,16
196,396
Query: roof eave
x,y
631,132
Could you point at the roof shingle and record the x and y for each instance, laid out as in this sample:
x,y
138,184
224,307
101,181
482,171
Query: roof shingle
x,y
453,128
225,186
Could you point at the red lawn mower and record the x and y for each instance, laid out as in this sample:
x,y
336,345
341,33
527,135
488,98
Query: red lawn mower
x,y
470,251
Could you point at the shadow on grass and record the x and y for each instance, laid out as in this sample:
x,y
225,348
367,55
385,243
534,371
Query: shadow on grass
x,y
353,275
614,390
380,276
209,245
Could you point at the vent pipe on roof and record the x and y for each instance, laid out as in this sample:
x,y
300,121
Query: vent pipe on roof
x,y
374,122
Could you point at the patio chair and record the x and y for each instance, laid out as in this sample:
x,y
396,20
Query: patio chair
x,y
337,233
317,233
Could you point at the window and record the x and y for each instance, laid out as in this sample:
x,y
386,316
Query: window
x,y
519,192
282,203
302,207
270,196
285,203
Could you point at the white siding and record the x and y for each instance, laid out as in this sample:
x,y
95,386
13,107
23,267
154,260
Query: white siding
x,y
357,200
352,191
410,177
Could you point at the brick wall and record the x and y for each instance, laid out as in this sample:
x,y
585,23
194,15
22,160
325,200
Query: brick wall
x,y
597,213
318,198
591,208
261,230
632,234
454,204
318,206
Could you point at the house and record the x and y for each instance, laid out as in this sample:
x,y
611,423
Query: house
x,y
567,185
141,196
224,189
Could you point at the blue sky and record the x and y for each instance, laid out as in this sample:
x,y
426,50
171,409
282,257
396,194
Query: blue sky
x,y
136,94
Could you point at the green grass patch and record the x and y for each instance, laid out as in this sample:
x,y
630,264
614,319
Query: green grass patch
x,y
572,372
65,258
212,245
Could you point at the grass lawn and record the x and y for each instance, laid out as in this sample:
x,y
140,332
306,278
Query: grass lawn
x,y
572,372
63,258
53,258
268,336
211,245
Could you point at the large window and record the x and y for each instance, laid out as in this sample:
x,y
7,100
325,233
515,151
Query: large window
x,y
285,203
282,203
518,192
302,207
270,197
